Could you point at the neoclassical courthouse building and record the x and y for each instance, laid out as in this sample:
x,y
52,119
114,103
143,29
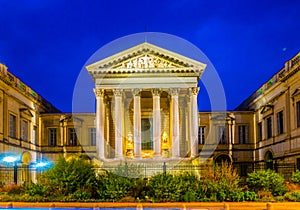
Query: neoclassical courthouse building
x,y
146,111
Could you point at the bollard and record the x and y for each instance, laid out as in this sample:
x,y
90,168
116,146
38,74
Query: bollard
x,y
9,205
226,206
269,206
139,207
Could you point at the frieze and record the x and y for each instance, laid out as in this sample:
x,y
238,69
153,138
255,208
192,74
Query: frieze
x,y
146,62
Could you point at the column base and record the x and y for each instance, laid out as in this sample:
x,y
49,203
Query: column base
x,y
157,155
119,158
137,157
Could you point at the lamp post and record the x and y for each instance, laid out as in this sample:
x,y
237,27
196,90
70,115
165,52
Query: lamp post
x,y
12,159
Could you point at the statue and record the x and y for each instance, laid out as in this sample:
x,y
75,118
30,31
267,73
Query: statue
x,y
165,138
129,138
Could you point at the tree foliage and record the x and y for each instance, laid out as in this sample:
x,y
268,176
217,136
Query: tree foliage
x,y
69,177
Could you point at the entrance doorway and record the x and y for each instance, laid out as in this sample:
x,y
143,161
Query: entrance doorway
x,y
147,138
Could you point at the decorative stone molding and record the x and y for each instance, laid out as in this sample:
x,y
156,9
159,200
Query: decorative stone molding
x,y
99,92
174,92
136,91
156,92
146,61
195,90
118,92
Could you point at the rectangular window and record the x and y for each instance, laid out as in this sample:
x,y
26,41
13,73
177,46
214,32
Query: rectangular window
x,y
12,126
72,137
92,136
24,130
243,134
52,136
298,113
269,127
279,117
221,134
201,134
259,131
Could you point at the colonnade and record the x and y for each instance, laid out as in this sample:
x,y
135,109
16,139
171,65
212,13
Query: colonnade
x,y
174,94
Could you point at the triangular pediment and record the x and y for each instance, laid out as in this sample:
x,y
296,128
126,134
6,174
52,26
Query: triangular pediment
x,y
26,111
146,56
296,92
267,108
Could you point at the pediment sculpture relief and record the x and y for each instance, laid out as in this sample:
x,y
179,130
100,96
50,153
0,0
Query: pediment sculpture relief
x,y
145,62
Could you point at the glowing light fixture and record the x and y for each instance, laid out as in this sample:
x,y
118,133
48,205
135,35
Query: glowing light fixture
x,y
10,159
43,164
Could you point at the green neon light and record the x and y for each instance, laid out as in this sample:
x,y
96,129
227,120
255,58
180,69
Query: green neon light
x,y
32,93
271,81
22,84
260,91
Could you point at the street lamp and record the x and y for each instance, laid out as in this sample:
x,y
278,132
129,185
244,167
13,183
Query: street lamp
x,y
12,159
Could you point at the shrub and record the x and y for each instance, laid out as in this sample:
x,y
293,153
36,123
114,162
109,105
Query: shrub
x,y
5,198
68,177
12,189
140,189
113,187
81,195
250,196
35,189
295,177
293,196
168,187
267,180
221,182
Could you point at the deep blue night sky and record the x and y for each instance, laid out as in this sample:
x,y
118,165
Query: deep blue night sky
x,y
46,42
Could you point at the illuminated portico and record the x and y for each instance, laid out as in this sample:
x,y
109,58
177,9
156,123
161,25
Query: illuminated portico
x,y
146,104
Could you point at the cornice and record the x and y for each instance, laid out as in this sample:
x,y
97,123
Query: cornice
x,y
146,58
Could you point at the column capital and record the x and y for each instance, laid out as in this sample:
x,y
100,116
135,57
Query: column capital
x,y
136,91
118,92
99,92
174,91
156,92
194,90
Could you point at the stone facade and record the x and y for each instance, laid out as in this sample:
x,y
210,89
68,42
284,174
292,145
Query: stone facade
x,y
276,110
147,92
147,110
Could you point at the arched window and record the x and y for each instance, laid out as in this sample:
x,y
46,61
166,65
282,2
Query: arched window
x,y
222,158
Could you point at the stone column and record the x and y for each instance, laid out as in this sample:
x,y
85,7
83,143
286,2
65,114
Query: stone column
x,y
137,123
194,122
100,114
107,144
156,122
118,124
175,123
